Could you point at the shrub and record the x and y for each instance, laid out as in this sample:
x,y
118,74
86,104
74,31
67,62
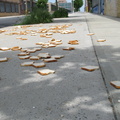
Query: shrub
x,y
37,16
60,13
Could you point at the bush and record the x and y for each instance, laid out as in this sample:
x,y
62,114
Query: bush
x,y
60,13
37,16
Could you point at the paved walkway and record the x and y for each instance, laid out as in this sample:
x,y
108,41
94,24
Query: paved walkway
x,y
69,94
108,52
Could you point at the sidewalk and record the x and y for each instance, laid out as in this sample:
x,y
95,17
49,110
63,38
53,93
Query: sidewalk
x,y
69,94
108,52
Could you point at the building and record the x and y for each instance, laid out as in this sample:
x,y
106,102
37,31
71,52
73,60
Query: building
x,y
112,8
67,6
14,7
62,1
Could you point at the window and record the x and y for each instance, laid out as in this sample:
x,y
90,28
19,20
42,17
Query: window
x,y
2,7
13,7
16,6
8,7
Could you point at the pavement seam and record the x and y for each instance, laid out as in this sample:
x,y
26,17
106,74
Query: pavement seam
x,y
102,72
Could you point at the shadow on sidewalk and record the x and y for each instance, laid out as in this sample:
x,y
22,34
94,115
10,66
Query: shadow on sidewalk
x,y
67,94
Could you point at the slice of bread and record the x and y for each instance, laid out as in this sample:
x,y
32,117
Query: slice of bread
x,y
90,34
115,84
73,42
24,57
4,48
57,56
39,65
34,58
3,59
27,64
101,40
90,68
69,48
50,60
37,49
31,50
44,55
16,48
46,72
23,54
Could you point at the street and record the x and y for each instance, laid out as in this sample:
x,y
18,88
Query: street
x,y
71,93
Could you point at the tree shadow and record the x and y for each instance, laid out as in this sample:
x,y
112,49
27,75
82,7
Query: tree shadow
x,y
70,93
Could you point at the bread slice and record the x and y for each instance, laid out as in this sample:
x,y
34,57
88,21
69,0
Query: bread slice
x,y
37,49
16,48
51,45
50,60
57,56
44,55
4,48
34,58
23,54
27,64
3,59
90,34
90,68
46,72
24,57
101,40
115,84
39,65
69,48
73,42
23,50
39,43
31,50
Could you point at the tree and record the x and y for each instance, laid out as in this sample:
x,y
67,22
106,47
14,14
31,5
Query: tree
x,y
78,4
42,4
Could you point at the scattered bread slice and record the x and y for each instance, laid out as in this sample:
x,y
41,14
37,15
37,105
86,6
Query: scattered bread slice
x,y
50,60
23,54
115,84
73,42
57,56
3,59
39,65
16,48
27,64
51,45
44,55
90,34
90,68
24,57
101,40
34,58
4,48
37,49
46,72
40,43
69,48
31,50
23,50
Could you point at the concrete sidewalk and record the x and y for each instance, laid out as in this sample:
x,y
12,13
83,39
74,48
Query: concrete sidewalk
x,y
69,94
108,52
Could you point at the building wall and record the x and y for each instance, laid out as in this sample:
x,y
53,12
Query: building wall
x,y
111,8
118,8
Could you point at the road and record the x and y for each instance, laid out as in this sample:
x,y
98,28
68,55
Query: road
x,y
69,94
10,20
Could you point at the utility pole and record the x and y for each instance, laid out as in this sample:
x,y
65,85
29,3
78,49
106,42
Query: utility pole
x,y
26,6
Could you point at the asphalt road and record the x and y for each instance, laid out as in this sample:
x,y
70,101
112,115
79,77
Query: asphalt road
x,y
69,94
10,20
